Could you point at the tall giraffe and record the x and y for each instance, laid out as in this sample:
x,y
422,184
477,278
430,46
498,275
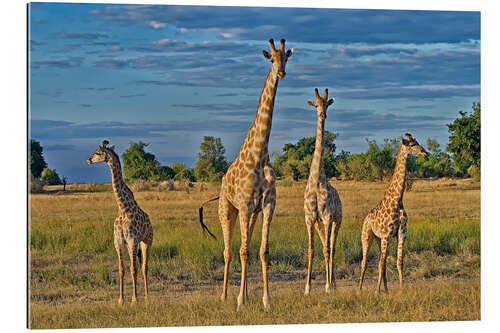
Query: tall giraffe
x,y
132,225
388,219
322,205
248,186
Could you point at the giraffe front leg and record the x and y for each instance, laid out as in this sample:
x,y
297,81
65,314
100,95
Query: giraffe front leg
x,y
382,262
121,273
384,273
227,218
267,216
244,256
326,254
310,233
366,240
401,241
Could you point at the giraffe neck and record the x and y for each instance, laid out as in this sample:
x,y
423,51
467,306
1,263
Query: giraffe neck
x,y
258,135
317,171
124,196
394,191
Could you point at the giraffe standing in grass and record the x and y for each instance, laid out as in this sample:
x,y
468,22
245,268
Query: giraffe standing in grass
x,y
322,205
388,219
248,186
132,226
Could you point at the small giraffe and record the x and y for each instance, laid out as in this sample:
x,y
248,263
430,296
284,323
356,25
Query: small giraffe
x,y
388,219
132,225
248,186
322,205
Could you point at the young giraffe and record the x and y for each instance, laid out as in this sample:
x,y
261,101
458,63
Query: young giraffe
x,y
132,225
389,218
248,186
322,205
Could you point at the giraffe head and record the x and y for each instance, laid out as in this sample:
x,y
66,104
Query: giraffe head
x,y
102,154
321,103
278,57
411,146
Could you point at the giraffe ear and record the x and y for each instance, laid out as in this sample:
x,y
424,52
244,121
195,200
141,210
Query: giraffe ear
x,y
330,101
289,53
311,104
266,54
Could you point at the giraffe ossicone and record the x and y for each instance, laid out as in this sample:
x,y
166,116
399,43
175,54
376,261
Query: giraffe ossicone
x,y
248,187
322,204
132,226
388,219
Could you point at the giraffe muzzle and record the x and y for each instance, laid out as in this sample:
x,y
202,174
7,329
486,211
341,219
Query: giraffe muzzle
x,y
89,162
281,74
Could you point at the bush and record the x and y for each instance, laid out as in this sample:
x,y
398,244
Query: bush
x,y
35,186
475,172
50,177
185,174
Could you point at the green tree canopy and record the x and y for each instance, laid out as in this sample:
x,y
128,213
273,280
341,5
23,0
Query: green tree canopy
x,y
297,158
212,163
50,177
139,164
37,162
465,140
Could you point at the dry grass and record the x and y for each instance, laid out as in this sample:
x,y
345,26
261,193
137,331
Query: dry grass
x,y
73,280
422,301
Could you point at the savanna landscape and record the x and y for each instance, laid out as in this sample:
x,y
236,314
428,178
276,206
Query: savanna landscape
x,y
74,273
162,79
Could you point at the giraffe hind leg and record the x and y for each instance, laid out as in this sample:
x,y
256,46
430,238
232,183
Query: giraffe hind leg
x,y
146,249
401,241
132,251
244,255
384,273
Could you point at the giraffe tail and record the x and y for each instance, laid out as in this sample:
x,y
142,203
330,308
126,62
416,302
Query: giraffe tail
x,y
200,211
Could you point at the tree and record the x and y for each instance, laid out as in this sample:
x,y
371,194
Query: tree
x,y
212,163
37,162
436,164
139,164
465,140
297,158
64,181
376,163
50,177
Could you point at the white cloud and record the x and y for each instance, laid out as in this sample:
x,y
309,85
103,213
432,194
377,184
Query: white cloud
x,y
156,24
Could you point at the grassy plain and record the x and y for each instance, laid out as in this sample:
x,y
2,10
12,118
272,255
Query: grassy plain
x,y
73,266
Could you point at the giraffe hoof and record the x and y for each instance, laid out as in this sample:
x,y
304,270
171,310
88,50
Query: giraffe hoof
x,y
267,304
120,301
134,301
240,303
307,290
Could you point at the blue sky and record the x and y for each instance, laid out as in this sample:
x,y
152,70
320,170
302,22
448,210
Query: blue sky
x,y
169,75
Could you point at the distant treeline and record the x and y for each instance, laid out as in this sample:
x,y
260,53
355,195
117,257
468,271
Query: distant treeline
x,y
460,158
